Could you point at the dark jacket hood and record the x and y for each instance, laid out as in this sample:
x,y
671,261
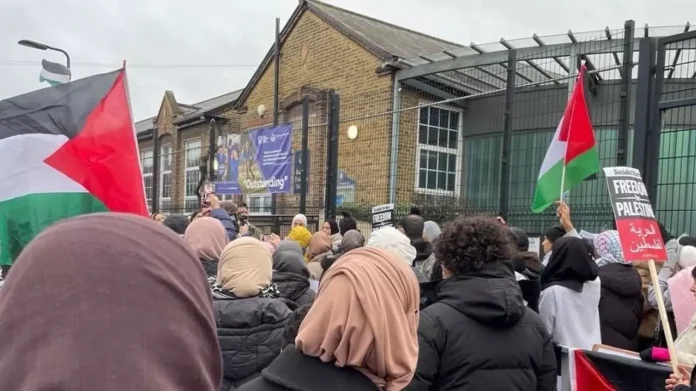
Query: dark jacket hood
x,y
490,296
288,258
291,286
423,249
529,260
623,280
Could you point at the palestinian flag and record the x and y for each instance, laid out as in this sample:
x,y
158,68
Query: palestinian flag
x,y
594,371
54,73
65,151
572,156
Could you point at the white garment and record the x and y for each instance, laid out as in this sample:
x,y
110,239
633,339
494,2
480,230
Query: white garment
x,y
572,318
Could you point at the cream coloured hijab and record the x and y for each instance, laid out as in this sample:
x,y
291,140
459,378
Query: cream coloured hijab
x,y
245,267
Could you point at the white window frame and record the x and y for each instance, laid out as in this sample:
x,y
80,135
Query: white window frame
x,y
458,152
188,169
151,153
249,203
163,155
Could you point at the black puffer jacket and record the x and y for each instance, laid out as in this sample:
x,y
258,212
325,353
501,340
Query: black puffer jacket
x,y
620,306
250,332
210,268
293,287
479,335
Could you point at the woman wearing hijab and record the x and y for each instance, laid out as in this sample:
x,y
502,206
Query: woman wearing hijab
x,y
351,240
431,231
478,334
207,237
412,226
301,235
290,273
347,223
319,248
73,311
299,220
360,333
621,302
393,240
330,227
250,317
570,295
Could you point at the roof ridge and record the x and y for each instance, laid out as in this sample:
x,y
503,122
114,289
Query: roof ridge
x,y
219,96
321,3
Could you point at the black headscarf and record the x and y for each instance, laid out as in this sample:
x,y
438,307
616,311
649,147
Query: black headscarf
x,y
347,223
570,265
554,233
334,227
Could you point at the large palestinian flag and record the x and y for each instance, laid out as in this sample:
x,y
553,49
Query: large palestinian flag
x,y
66,150
594,371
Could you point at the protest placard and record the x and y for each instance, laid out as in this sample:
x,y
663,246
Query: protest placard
x,y
382,216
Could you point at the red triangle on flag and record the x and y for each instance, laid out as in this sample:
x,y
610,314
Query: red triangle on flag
x,y
103,156
587,377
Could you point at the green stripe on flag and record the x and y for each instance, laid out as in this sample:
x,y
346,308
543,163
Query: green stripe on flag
x,y
25,217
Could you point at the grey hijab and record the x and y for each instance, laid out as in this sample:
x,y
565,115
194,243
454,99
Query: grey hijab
x,y
352,240
431,231
288,258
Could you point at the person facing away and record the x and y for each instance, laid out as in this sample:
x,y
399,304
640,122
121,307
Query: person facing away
x,y
360,333
570,294
290,273
351,240
621,300
207,237
249,315
392,239
527,268
319,248
478,334
347,223
412,226
431,231
108,302
177,224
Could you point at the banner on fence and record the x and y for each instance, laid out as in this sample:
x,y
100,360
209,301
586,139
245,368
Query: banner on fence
x,y
257,162
641,238
382,216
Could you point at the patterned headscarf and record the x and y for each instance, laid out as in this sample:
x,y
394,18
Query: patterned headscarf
x,y
608,247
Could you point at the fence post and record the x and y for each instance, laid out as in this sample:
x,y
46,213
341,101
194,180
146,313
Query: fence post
x,y
332,154
304,155
644,86
155,169
507,134
395,131
653,136
625,94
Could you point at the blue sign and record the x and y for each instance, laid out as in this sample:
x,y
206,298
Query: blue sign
x,y
257,161
297,180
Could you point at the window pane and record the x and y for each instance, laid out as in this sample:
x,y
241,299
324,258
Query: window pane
x,y
441,180
430,182
432,160
442,139
452,166
432,136
450,182
442,161
423,158
423,115
192,178
452,139
193,153
444,118
422,175
434,117
423,134
454,120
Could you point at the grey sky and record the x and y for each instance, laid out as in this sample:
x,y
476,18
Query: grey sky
x,y
210,47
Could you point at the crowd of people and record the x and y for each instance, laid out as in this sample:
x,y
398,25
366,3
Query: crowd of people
x,y
120,302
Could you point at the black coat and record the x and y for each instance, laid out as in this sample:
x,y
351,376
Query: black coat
x,y
294,371
620,306
250,332
210,268
293,287
479,335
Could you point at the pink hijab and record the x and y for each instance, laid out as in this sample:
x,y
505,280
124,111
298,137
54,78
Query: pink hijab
x,y
683,303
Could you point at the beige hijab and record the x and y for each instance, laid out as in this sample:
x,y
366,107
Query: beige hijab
x,y
366,316
245,268
207,237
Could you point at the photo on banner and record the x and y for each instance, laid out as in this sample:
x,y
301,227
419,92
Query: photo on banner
x,y
640,235
256,162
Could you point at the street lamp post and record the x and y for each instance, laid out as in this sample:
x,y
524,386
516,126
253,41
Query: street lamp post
x,y
42,46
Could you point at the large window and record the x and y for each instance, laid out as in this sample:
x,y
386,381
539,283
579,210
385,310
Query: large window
x,y
166,178
146,163
193,174
259,204
438,146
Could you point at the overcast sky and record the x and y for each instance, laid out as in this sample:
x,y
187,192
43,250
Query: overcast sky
x,y
200,49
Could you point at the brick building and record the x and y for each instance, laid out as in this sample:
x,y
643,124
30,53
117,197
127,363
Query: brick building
x,y
323,48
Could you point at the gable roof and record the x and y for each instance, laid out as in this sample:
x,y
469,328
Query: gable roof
x,y
386,41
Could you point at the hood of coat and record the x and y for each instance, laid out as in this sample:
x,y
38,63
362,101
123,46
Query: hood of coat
x,y
290,285
621,279
529,260
423,249
490,296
